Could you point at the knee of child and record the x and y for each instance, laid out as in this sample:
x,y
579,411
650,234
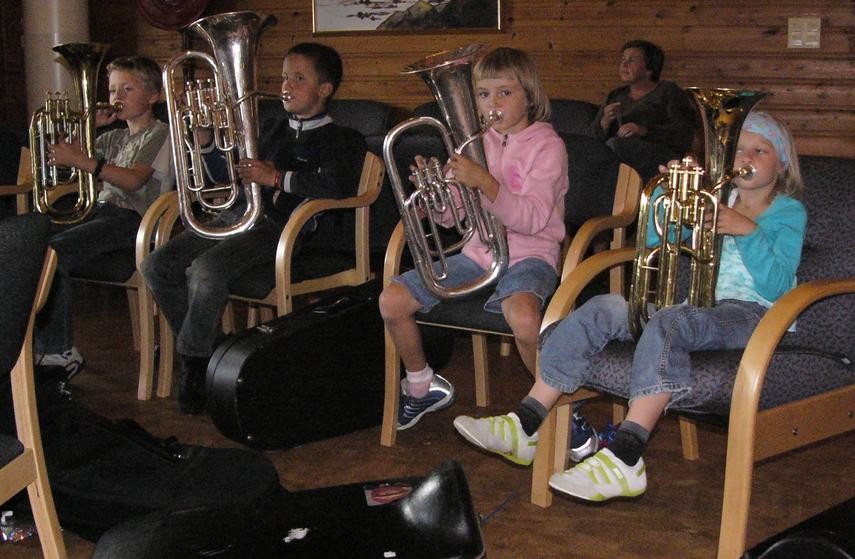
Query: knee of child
x,y
523,316
393,301
202,277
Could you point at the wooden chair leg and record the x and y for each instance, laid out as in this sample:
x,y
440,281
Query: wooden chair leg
x,y
543,465
44,514
229,318
251,316
145,331
265,314
738,472
689,438
482,380
504,347
392,392
167,356
618,413
134,308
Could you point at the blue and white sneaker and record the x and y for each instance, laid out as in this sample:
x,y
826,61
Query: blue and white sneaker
x,y
410,409
583,439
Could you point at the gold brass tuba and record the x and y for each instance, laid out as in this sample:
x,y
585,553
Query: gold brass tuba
x,y
448,74
227,105
55,122
689,193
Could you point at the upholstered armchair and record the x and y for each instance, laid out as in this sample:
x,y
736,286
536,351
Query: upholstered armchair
x,y
785,390
337,255
29,264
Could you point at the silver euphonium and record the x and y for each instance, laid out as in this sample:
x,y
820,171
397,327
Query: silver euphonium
x,y
689,193
449,76
227,105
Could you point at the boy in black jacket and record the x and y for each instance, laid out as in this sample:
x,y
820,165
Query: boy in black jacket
x,y
305,156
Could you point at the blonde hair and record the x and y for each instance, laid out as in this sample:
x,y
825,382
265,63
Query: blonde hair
x,y
515,63
776,133
790,182
146,69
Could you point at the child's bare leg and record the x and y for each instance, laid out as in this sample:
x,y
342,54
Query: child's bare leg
x,y
646,410
522,311
398,309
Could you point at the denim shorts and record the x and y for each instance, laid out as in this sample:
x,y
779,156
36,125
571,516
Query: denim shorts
x,y
531,275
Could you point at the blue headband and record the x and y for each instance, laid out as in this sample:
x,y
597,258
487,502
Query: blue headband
x,y
765,125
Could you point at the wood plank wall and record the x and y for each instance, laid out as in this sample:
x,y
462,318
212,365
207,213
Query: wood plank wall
x,y
722,43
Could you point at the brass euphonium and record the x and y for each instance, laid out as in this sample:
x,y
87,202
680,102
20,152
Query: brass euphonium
x,y
56,121
449,76
689,193
227,105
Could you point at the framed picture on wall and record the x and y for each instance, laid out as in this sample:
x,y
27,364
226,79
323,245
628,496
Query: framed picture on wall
x,y
342,16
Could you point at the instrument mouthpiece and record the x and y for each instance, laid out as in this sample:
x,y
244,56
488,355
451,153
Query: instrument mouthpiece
x,y
746,172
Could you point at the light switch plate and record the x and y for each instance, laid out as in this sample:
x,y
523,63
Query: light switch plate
x,y
803,33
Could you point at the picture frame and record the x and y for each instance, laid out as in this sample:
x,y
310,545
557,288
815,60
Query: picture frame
x,y
405,16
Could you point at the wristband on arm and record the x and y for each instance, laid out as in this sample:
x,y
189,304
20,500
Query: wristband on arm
x,y
99,166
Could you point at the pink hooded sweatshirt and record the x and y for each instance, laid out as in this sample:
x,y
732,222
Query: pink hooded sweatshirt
x,y
531,167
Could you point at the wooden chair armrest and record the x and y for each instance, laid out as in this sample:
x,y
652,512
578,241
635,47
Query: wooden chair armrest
x,y
587,233
742,431
300,216
571,286
394,253
156,225
15,189
764,340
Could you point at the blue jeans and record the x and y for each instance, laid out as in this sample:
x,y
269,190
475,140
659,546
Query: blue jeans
x,y
189,278
661,360
531,275
107,229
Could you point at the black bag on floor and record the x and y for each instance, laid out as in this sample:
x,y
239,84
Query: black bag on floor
x,y
103,473
310,375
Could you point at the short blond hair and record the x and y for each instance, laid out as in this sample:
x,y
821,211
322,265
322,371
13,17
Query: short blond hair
x,y
506,61
146,69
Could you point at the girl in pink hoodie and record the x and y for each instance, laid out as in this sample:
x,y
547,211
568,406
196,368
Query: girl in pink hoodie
x,y
523,187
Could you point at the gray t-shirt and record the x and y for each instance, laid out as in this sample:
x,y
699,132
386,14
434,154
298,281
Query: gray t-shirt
x,y
149,147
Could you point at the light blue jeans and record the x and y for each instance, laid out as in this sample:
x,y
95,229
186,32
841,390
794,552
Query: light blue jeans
x,y
531,275
661,360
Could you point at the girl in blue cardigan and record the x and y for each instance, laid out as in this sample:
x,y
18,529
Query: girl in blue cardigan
x,y
763,227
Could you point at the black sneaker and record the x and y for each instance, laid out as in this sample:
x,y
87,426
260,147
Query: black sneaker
x,y
71,361
410,409
191,384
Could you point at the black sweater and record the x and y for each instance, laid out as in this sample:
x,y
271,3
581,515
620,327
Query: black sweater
x,y
326,162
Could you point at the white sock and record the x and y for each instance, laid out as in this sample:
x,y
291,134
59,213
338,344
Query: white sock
x,y
418,382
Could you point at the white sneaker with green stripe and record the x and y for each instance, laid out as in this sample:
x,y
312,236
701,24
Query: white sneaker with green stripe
x,y
501,434
601,477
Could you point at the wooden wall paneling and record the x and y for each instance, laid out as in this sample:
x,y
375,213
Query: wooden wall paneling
x,y
722,43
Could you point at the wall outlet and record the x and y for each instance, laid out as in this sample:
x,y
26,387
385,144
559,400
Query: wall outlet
x,y
803,33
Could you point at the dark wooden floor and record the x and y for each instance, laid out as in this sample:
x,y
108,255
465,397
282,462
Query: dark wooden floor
x,y
678,517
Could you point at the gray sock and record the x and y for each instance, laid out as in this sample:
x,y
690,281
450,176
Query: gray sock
x,y
531,414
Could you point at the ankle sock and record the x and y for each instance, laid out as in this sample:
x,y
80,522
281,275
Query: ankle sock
x,y
418,382
531,414
629,442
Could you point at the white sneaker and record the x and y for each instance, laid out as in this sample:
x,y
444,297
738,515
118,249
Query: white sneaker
x,y
601,477
72,361
501,434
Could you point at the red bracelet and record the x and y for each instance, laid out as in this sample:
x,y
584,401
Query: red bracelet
x,y
280,176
